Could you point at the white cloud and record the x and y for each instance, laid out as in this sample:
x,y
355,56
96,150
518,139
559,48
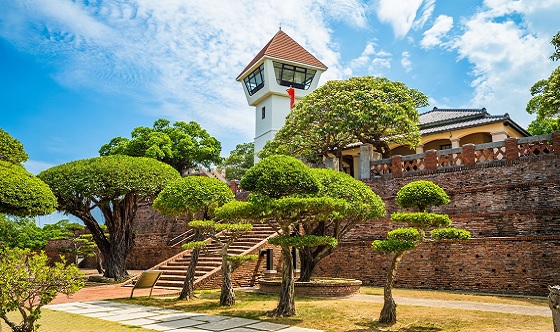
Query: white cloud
x,y
372,61
405,61
35,166
433,36
507,56
352,12
182,57
400,14
426,10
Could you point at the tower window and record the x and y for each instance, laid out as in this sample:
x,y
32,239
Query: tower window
x,y
255,80
263,113
297,77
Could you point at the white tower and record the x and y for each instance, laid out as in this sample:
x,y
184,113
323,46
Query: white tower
x,y
281,64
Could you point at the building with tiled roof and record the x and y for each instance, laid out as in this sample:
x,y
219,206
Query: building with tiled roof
x,y
451,128
282,64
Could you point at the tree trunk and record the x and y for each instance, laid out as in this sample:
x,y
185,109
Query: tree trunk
x,y
554,305
23,327
389,312
187,293
307,262
115,263
227,296
286,303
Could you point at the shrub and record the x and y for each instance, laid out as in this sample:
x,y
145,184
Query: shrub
x,y
420,195
450,234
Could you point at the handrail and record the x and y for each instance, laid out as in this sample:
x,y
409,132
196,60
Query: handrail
x,y
187,235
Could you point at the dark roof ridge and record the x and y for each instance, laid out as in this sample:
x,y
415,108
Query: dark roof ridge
x,y
435,109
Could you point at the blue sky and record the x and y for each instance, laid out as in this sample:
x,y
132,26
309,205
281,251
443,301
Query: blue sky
x,y
74,74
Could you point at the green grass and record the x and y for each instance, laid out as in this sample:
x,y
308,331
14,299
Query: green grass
x,y
332,315
336,315
57,321
458,296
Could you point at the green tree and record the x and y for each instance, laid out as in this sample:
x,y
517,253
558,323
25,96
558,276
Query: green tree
x,y
418,195
11,150
368,109
224,234
181,145
239,161
363,205
27,283
279,187
193,196
114,184
22,193
541,126
546,96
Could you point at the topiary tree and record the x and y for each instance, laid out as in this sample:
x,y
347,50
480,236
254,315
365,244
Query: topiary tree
x,y
27,283
418,195
281,189
22,194
181,145
363,205
11,150
193,196
114,185
224,234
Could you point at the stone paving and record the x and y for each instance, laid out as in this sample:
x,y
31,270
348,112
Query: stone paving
x,y
169,320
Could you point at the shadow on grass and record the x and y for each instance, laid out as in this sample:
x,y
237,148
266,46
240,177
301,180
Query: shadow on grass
x,y
378,327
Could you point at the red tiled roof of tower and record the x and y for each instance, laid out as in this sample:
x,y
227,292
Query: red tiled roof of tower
x,y
282,46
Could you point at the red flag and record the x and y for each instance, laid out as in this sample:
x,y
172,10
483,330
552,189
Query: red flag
x,y
292,93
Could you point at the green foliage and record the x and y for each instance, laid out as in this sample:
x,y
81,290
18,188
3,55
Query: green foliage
x,y
237,210
556,43
193,194
546,93
368,109
398,240
113,184
304,209
239,161
27,283
23,194
279,176
194,245
421,220
392,246
233,228
238,260
181,145
450,234
303,241
421,195
363,202
106,179
11,150
541,126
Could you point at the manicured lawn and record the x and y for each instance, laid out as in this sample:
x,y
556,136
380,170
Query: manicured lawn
x,y
354,316
58,321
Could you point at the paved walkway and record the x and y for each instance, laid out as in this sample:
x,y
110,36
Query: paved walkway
x,y
169,320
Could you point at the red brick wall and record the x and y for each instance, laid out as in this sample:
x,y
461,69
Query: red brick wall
x,y
497,265
512,210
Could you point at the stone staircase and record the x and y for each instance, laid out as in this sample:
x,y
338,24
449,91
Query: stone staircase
x,y
210,261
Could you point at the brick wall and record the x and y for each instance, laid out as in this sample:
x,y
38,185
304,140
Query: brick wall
x,y
495,265
512,210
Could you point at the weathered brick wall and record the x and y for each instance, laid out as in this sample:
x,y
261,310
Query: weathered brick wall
x,y
510,199
495,265
512,210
